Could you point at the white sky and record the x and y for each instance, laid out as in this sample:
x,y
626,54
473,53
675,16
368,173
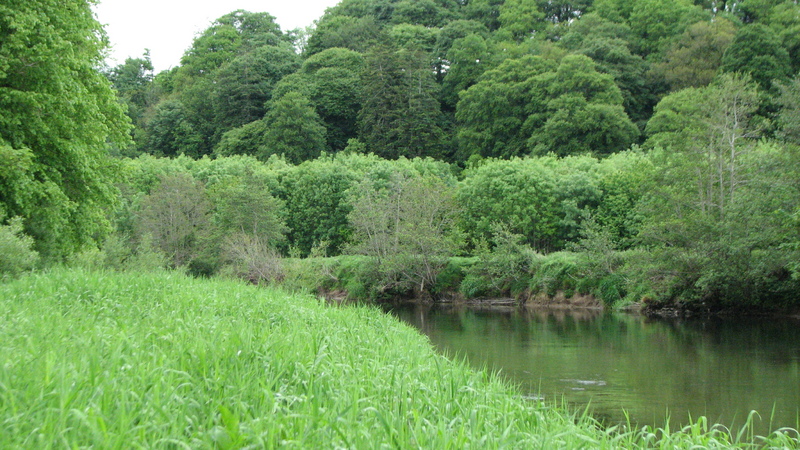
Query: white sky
x,y
167,27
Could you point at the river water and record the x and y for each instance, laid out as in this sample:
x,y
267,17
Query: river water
x,y
618,363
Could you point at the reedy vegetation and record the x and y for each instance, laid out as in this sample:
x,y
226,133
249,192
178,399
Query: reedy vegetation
x,y
117,360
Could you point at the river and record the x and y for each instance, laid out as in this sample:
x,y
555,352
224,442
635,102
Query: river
x,y
618,363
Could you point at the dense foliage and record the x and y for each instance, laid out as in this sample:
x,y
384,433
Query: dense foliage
x,y
633,150
57,117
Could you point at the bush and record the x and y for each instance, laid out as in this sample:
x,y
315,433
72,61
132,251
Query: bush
x,y
16,253
251,258
561,271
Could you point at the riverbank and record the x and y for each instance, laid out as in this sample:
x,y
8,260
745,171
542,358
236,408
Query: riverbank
x,y
559,280
116,360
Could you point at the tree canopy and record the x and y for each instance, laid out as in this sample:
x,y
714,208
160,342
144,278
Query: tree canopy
x,y
57,117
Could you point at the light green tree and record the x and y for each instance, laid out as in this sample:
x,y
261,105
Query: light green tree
x,y
58,115
406,223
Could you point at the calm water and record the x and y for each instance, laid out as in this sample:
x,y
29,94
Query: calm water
x,y
719,368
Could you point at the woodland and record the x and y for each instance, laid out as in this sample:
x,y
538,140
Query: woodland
x,y
638,151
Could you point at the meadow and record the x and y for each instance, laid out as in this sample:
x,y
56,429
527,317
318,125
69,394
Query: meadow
x,y
160,360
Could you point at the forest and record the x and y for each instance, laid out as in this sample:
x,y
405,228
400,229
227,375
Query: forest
x,y
638,151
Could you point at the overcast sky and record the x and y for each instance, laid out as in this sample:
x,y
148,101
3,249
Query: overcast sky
x,y
167,27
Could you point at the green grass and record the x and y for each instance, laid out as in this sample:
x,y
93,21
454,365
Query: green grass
x,y
108,360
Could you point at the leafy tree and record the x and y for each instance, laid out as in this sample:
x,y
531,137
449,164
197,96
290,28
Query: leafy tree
x,y
224,81
515,194
694,59
757,51
293,129
229,36
332,80
245,205
526,106
413,37
426,13
16,253
468,59
563,11
614,10
316,210
170,132
713,128
492,113
784,18
243,86
248,139
58,117
656,23
176,216
407,226
357,34
521,19
789,116
485,11
584,112
133,82
609,46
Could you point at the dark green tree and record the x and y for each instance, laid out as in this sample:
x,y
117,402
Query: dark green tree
x,y
337,31
789,116
243,86
133,82
757,51
293,129
399,115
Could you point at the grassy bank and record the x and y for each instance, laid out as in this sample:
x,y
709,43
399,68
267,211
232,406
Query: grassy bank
x,y
161,360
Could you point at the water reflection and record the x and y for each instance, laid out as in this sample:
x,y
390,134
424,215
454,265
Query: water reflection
x,y
719,368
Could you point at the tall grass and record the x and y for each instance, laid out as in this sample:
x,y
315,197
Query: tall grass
x,y
108,360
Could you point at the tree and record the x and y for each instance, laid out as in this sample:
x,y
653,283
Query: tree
x,y
357,34
133,81
332,79
468,59
583,112
491,113
58,116
224,81
407,226
516,194
789,116
530,105
757,51
399,115
521,19
694,59
316,210
712,128
176,216
243,86
609,45
656,22
293,129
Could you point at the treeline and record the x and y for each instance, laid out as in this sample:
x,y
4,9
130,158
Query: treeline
x,y
625,228
456,80
633,150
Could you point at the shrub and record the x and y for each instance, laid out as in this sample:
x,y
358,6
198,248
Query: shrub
x,y
16,253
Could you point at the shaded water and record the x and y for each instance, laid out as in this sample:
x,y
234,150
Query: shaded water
x,y
617,363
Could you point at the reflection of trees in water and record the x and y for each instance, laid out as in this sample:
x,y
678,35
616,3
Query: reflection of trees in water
x,y
721,368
